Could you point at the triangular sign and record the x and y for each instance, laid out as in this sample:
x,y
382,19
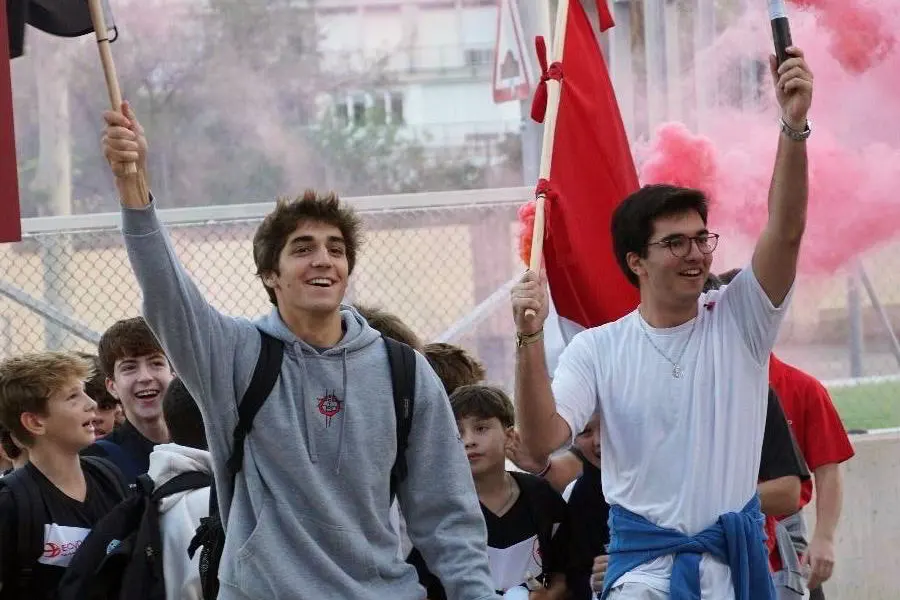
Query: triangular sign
x,y
511,76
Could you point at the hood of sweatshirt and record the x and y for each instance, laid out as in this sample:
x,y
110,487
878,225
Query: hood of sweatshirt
x,y
170,460
311,360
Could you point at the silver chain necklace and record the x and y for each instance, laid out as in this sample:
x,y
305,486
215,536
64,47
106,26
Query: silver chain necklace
x,y
677,370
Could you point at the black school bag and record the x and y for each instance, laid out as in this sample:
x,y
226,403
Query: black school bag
x,y
31,515
121,559
211,533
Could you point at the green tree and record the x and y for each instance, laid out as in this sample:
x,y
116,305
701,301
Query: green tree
x,y
377,157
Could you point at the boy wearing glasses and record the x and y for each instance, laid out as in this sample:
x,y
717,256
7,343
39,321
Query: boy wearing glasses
x,y
680,384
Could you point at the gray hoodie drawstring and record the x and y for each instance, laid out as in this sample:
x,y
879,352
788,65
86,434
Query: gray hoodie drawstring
x,y
309,405
337,467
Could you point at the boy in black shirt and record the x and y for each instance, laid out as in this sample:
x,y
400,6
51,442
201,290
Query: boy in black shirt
x,y
590,512
137,374
48,506
527,521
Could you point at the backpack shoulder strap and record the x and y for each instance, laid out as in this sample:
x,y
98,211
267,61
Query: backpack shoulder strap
x,y
29,505
268,367
184,482
213,500
402,361
109,471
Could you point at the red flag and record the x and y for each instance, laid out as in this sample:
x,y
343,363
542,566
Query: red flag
x,y
592,171
10,225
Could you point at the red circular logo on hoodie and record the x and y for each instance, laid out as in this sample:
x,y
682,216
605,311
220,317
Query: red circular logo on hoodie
x,y
329,405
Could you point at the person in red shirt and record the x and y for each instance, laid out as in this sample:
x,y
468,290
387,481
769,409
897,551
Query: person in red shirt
x,y
825,445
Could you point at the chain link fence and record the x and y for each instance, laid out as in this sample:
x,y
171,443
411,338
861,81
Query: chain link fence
x,y
443,262
69,278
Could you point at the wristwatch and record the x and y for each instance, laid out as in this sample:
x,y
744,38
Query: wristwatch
x,y
526,339
797,136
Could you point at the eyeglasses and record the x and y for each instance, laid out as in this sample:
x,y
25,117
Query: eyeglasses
x,y
680,245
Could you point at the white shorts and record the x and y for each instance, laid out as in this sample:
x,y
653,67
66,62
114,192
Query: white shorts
x,y
636,591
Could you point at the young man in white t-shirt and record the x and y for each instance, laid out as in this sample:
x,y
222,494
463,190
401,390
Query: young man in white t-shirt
x,y
680,383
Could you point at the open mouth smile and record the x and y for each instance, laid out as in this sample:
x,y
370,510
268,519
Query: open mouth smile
x,y
147,396
322,282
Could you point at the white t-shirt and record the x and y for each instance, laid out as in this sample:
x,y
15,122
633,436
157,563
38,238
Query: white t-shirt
x,y
678,451
398,524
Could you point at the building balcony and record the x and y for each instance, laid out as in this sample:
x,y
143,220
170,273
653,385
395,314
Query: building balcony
x,y
482,142
457,135
457,61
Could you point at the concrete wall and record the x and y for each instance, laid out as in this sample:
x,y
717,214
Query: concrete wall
x,y
868,538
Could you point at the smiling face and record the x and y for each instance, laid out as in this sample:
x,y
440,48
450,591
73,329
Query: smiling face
x,y
68,423
139,383
312,270
588,441
665,277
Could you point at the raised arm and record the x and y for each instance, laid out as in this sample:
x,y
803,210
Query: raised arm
x,y
775,257
124,143
192,332
541,427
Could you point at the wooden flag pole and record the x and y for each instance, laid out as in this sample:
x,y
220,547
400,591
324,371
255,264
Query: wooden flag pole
x,y
138,187
553,93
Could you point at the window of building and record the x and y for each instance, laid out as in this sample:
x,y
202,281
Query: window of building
x,y
373,108
342,114
476,57
379,109
359,111
397,108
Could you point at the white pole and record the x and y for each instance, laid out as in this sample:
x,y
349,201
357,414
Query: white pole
x,y
674,85
655,47
621,63
704,34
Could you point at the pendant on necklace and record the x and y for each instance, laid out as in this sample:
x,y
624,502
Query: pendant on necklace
x,y
676,371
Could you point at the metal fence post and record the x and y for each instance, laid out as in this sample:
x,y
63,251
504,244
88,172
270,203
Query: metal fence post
x,y
55,253
880,312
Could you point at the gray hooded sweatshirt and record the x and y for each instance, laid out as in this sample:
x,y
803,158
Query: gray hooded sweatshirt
x,y
309,515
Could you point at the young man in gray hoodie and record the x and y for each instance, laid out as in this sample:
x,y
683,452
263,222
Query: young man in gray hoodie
x,y
308,515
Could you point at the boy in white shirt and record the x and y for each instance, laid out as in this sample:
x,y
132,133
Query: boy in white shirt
x,y
180,514
680,383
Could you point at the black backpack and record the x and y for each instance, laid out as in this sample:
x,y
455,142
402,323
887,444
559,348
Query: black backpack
x,y
121,559
31,515
211,533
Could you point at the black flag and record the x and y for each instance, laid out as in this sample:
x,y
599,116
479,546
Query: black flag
x,y
65,18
